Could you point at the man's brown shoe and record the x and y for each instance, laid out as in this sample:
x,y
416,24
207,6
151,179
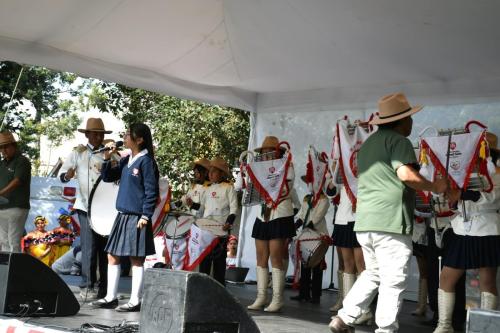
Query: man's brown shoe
x,y
337,325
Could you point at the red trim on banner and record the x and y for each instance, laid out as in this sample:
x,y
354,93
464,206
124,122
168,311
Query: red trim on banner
x,y
163,212
438,167
474,122
168,259
470,165
202,256
349,192
263,192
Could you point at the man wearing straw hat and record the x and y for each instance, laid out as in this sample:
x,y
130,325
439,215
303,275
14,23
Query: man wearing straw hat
x,y
388,178
15,179
85,166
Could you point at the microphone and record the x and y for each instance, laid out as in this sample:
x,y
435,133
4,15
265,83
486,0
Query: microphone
x,y
118,144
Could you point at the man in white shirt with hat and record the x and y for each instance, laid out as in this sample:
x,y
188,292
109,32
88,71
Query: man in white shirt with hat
x,y
388,178
85,165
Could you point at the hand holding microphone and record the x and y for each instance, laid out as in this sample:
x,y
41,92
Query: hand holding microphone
x,y
109,149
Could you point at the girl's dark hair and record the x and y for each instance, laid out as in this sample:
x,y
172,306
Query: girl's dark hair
x,y
140,130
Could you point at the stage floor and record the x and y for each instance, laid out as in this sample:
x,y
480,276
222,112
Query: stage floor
x,y
295,316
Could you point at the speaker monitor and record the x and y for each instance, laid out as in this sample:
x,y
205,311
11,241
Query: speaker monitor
x,y
30,288
483,321
187,302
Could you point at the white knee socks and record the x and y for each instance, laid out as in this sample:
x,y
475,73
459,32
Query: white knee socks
x,y
137,275
113,279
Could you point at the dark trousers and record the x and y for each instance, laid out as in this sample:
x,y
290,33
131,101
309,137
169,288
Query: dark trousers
x,y
218,258
433,252
310,286
93,253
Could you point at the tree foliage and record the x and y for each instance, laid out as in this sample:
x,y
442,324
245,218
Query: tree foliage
x,y
183,130
37,108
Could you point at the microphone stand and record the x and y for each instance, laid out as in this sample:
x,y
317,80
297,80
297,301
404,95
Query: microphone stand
x,y
332,286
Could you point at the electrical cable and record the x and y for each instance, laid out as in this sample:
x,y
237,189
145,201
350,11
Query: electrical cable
x,y
11,98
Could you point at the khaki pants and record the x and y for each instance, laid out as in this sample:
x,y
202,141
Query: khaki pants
x,y
12,221
386,257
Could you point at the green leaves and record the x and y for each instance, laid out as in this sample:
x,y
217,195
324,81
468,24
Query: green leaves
x,y
37,107
183,130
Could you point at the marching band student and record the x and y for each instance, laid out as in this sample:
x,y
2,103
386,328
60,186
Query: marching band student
x,y
473,244
435,250
344,238
314,217
218,202
132,234
419,243
199,185
272,227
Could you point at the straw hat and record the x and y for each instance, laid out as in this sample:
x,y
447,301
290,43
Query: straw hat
x,y
492,141
270,142
202,162
94,125
6,138
220,164
394,107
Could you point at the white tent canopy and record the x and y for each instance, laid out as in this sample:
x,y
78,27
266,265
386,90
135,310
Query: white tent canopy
x,y
267,55
298,64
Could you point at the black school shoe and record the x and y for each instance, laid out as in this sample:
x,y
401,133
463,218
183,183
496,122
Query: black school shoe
x,y
129,308
103,304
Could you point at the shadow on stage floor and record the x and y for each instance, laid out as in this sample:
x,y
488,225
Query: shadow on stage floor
x,y
295,316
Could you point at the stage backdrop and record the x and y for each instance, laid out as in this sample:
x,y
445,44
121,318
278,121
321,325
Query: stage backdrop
x,y
316,126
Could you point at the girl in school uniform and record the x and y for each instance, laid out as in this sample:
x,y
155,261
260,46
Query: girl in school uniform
x,y
272,228
220,203
473,244
131,235
344,238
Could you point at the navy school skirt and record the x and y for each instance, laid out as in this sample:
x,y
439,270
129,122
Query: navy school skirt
x,y
471,252
344,235
281,228
129,241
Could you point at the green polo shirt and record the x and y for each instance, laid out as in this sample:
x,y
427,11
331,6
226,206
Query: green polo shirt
x,y
18,167
384,203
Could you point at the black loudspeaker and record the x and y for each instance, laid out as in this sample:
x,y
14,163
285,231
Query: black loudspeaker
x,y
30,288
187,302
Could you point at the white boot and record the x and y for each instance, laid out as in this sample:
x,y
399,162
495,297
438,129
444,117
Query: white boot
x,y
489,301
446,302
278,287
262,281
349,280
340,294
422,299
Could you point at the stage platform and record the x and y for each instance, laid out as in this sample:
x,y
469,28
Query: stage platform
x,y
295,316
